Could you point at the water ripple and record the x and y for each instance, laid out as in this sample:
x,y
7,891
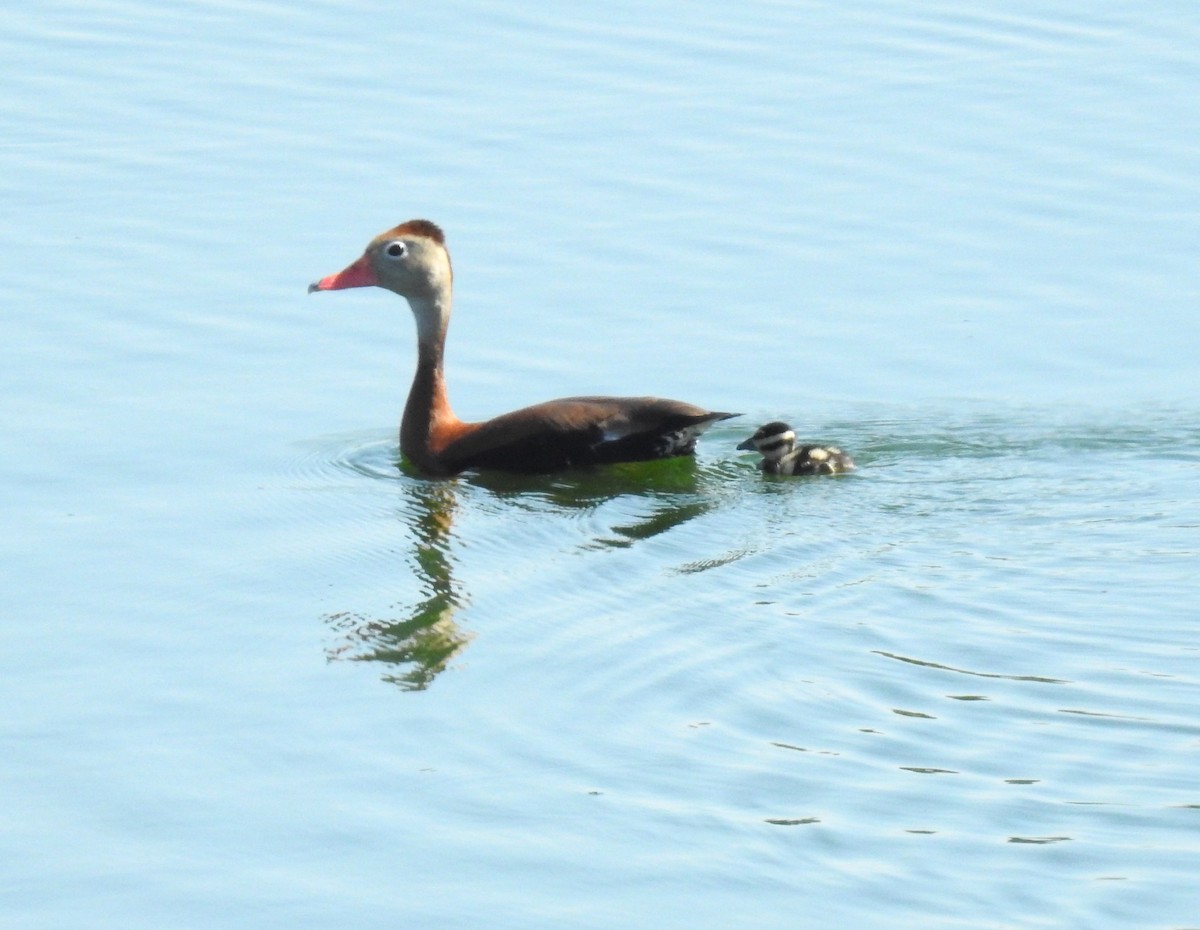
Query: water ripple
x,y
963,671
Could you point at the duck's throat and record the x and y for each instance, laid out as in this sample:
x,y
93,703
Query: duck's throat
x,y
428,418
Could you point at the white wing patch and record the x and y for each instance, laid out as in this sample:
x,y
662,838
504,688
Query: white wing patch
x,y
613,433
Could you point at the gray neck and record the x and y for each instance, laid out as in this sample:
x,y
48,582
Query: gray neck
x,y
433,316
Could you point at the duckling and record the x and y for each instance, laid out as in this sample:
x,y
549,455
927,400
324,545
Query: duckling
x,y
781,456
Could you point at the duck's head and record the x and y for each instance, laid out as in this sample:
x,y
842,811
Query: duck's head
x,y
410,259
773,441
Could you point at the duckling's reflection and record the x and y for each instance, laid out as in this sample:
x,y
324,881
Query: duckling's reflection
x,y
418,647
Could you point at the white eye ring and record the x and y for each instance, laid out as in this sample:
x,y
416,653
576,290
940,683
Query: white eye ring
x,y
395,249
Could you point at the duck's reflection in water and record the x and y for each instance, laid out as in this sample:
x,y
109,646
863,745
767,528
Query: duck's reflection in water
x,y
423,641
421,644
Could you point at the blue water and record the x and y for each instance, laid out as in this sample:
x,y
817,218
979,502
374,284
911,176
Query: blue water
x,y
256,675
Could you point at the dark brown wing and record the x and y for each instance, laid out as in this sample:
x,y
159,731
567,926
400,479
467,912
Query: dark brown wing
x,y
581,431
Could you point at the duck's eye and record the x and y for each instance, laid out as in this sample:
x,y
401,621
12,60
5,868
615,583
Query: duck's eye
x,y
396,250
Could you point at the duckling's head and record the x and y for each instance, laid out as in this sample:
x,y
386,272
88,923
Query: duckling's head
x,y
773,441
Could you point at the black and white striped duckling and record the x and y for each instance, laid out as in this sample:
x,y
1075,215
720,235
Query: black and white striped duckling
x,y
781,456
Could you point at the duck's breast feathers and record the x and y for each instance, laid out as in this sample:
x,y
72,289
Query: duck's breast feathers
x,y
578,431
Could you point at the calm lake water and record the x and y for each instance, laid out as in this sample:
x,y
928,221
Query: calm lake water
x,y
256,675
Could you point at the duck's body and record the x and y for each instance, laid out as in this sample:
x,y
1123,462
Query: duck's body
x,y
776,442
412,261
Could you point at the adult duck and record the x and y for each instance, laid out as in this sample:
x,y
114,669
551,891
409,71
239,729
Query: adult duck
x,y
412,260
776,443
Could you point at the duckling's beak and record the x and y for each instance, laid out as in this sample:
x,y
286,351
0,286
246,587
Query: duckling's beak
x,y
748,444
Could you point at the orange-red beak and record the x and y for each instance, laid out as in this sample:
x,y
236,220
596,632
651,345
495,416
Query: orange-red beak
x,y
359,274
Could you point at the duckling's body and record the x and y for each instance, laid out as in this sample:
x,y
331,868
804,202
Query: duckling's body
x,y
776,442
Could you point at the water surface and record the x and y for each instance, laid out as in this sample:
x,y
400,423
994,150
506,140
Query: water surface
x,y
258,675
